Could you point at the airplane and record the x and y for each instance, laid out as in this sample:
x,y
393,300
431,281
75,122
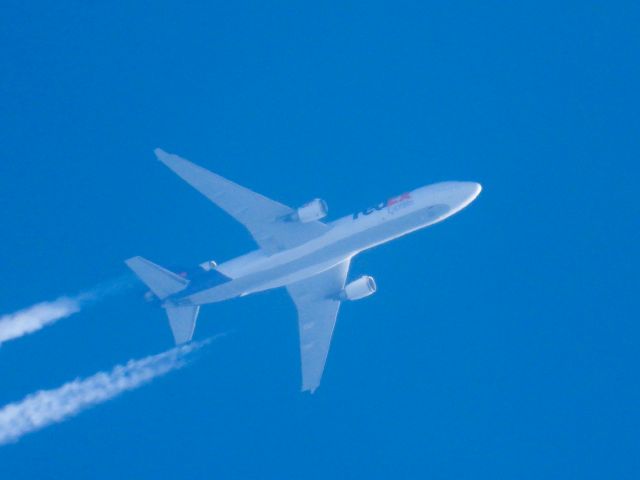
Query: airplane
x,y
297,251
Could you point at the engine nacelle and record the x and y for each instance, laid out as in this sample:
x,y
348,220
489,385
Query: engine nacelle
x,y
360,288
314,210
208,266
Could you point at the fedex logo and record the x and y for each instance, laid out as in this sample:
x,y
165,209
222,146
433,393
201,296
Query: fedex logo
x,y
398,199
393,204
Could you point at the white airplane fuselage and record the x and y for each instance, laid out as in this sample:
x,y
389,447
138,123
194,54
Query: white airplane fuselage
x,y
346,237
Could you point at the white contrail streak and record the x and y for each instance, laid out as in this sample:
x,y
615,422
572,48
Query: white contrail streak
x,y
38,316
46,407
32,319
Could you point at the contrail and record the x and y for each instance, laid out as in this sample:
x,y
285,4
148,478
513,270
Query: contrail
x,y
32,319
46,407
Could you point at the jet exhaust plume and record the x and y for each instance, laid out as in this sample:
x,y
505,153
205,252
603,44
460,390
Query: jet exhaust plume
x,y
38,316
47,407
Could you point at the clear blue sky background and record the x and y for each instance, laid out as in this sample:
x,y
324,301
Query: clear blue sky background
x,y
502,343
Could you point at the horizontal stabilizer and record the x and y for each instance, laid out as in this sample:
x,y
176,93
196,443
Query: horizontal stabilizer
x,y
183,322
161,281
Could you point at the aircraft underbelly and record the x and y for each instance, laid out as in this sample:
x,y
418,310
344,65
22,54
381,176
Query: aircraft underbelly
x,y
318,260
275,277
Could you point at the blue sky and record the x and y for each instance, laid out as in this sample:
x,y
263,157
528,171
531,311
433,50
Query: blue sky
x,y
500,344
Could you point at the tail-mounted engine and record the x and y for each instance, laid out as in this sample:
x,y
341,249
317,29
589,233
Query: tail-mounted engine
x,y
207,266
360,288
314,210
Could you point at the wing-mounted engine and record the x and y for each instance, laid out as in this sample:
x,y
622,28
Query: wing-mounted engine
x,y
314,210
360,288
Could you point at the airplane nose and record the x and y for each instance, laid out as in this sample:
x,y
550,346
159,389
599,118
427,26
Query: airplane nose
x,y
465,193
456,195
471,189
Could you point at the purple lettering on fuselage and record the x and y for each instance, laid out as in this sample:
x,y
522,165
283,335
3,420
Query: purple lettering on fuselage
x,y
389,203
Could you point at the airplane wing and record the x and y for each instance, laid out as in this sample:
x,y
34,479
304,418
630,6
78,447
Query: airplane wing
x,y
264,218
317,302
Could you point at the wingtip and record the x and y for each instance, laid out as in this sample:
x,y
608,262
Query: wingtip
x,y
132,260
309,389
160,154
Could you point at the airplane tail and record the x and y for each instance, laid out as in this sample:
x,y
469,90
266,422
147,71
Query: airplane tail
x,y
164,283
183,322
